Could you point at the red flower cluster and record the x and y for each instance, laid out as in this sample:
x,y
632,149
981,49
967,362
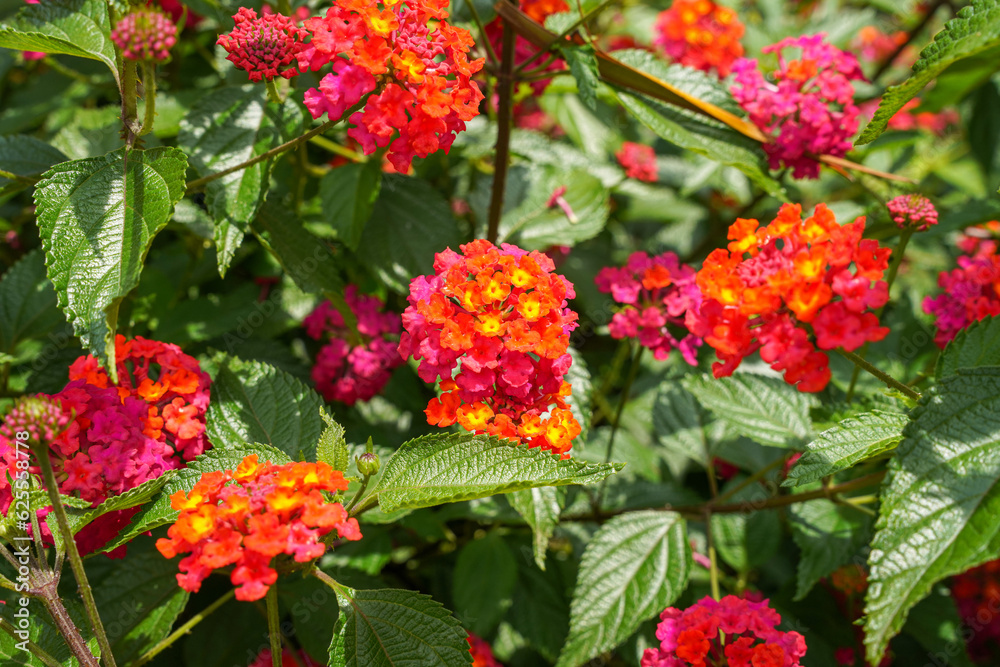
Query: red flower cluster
x,y
638,160
692,637
265,47
503,313
977,596
270,510
145,34
288,659
347,372
412,62
700,34
539,10
482,654
657,292
779,287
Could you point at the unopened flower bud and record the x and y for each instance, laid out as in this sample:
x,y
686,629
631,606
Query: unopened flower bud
x,y
368,463
914,211
145,34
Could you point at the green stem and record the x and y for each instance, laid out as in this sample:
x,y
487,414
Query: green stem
x,y
75,562
149,89
273,628
568,31
337,149
27,180
33,648
505,113
329,581
272,90
713,569
181,631
622,401
889,381
359,494
130,113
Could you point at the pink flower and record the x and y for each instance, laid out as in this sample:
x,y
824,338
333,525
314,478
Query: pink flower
x,y
638,160
339,91
913,211
145,34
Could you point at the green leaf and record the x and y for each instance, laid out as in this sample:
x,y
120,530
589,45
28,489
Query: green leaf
x,y
683,427
136,496
533,223
975,346
975,30
693,131
305,258
27,302
938,628
97,218
764,409
829,535
480,601
348,195
74,27
579,401
26,156
332,445
228,127
851,441
442,468
746,541
396,628
420,223
42,631
633,567
255,402
540,508
159,513
583,64
939,502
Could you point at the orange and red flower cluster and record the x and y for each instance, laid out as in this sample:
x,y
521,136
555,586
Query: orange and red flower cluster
x,y
413,63
700,34
269,510
780,287
694,637
502,312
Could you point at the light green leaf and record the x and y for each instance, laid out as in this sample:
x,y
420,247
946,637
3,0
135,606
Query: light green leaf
x,y
97,218
26,156
974,31
939,502
480,601
583,64
764,409
255,402
633,567
228,127
535,224
347,195
27,302
137,496
829,535
851,441
746,541
975,346
540,508
332,445
441,468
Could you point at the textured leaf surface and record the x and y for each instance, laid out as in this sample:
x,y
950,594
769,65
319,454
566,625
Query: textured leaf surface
x,y
583,65
853,440
332,446
436,469
305,258
256,402
533,223
939,502
540,508
633,568
225,128
26,156
764,409
97,218
348,195
974,31
137,496
483,581
27,302
978,345
828,535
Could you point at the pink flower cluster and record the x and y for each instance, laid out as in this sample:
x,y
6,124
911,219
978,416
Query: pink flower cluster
x,y
657,292
638,160
809,110
692,637
145,34
914,211
265,47
348,372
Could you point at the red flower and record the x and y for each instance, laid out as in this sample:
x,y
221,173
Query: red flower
x,y
265,47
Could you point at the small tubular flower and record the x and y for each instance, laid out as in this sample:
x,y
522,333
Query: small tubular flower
x,y
347,372
493,325
266,46
248,516
145,34
789,288
656,292
639,161
914,211
692,637
700,34
809,110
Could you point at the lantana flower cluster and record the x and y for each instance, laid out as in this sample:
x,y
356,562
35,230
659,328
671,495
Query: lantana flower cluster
x,y
809,110
700,34
638,160
413,65
788,288
694,637
265,46
971,291
349,370
246,517
657,292
145,34
493,325
481,652
915,211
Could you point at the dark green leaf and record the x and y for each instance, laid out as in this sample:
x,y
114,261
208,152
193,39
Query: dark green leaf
x,y
26,156
975,346
540,508
829,536
533,223
935,624
27,302
348,195
583,64
480,601
746,541
305,258
984,127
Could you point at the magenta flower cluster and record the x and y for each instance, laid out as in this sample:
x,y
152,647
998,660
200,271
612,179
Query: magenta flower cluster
x,y
349,370
914,211
657,292
145,34
809,110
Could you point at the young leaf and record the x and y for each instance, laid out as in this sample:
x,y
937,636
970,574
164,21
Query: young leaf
x,y
978,345
540,508
853,440
97,218
633,567
225,128
764,409
939,502
974,31
255,402
332,446
480,601
348,194
445,468
828,535
27,302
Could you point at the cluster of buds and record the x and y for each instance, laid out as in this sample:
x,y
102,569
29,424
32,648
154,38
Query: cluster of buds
x,y
638,160
502,313
913,211
266,511
349,370
700,34
145,34
657,292
779,287
738,630
809,110
265,46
